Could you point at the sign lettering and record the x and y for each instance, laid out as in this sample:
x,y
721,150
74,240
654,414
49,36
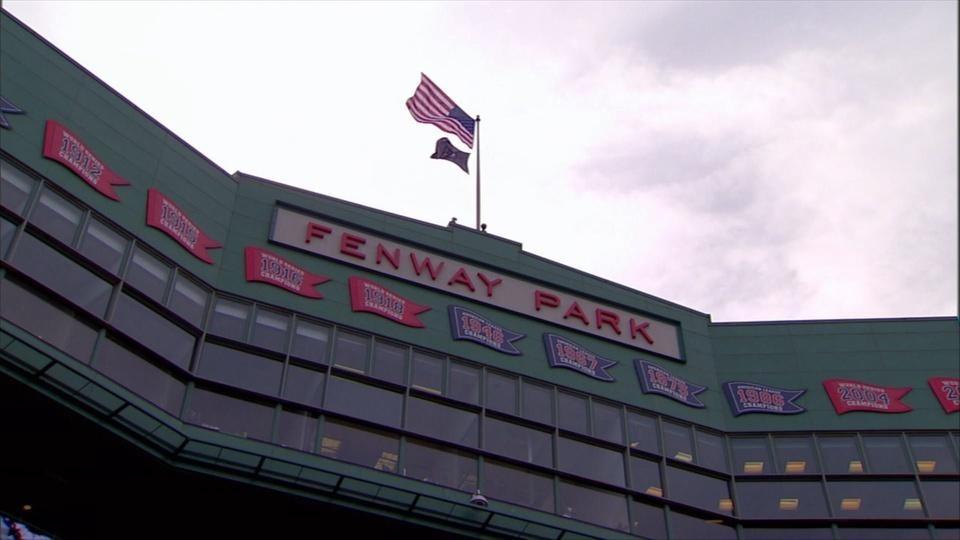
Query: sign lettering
x,y
747,397
947,391
849,396
465,324
266,267
370,297
656,380
64,147
166,216
561,352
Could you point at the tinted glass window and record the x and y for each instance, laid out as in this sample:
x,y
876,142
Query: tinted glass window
x,y
501,392
876,499
596,506
517,486
390,362
932,454
698,490
350,351
148,274
58,327
885,454
229,319
189,300
946,532
538,402
15,187
430,463
270,330
642,432
572,414
310,342
240,369
447,423
684,527
677,443
781,500
135,373
464,383
645,476
751,455
518,442
229,415
607,422
103,245
590,461
57,216
62,275
795,455
886,533
943,498
153,330
427,372
840,454
6,236
767,533
304,386
364,401
710,451
365,447
648,521
297,430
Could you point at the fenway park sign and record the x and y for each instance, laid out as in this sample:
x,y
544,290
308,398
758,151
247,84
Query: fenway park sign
x,y
352,246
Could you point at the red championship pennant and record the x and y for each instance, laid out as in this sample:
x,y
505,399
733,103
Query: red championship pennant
x,y
267,267
947,390
372,298
849,396
163,214
64,147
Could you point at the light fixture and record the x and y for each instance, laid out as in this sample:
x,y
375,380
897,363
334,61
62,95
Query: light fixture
x,y
27,507
850,504
912,504
479,500
789,504
926,465
855,466
796,466
753,467
725,505
683,456
655,491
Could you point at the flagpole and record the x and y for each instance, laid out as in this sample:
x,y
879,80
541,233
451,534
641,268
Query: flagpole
x,y
478,172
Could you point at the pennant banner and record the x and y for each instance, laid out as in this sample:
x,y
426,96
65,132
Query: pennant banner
x,y
369,297
64,147
947,390
656,380
561,352
266,267
163,214
468,325
446,150
849,396
747,397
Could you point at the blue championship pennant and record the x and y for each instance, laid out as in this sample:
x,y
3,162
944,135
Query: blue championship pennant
x,y
656,380
468,325
747,397
561,352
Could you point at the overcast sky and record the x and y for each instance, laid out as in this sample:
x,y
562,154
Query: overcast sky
x,y
754,161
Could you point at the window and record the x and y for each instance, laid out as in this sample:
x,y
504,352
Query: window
x,y
15,187
443,422
877,499
607,422
648,520
363,401
103,246
310,342
685,527
501,392
431,463
590,461
943,498
7,229
886,533
297,430
240,369
517,486
189,300
230,319
57,326
148,381
350,351
153,331
841,454
932,454
698,490
229,415
645,476
57,216
518,442
427,372
885,454
270,330
538,402
390,362
304,386
795,455
360,446
148,274
792,533
781,500
642,432
572,412
464,383
751,455
604,508
710,451
677,443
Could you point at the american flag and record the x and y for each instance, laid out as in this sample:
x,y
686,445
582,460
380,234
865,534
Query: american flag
x,y
430,105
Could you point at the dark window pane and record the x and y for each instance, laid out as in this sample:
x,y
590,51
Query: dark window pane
x,y
710,451
310,342
6,236
885,454
62,275
886,533
677,443
698,490
304,386
148,381
148,274
943,498
645,476
642,432
878,499
518,442
932,454
15,187
781,500
297,430
57,216
270,330
538,402
153,331
607,423
103,245
648,521
795,455
604,508
229,415
946,532
766,533
229,319
364,401
501,392
189,300
684,527
240,369
751,455
361,446
517,486
464,383
447,423
58,327
350,351
572,414
430,463
840,454
590,461
427,372
390,362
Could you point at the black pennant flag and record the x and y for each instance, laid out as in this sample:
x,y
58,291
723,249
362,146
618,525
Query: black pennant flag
x,y
446,150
